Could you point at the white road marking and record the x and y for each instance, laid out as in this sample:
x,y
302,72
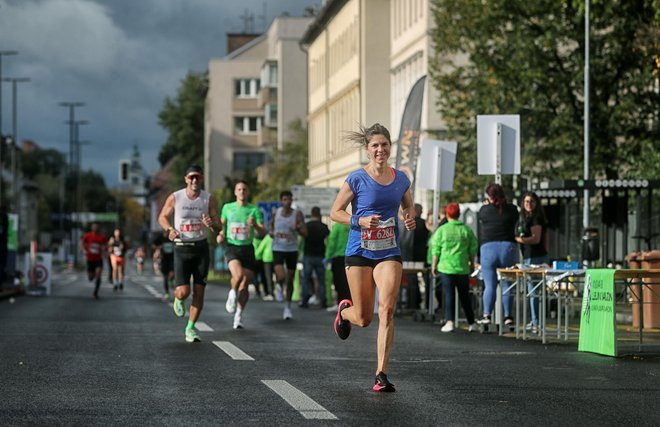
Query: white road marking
x,y
153,291
232,351
299,400
203,327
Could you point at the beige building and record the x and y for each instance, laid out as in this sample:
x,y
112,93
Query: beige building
x,y
246,115
349,81
364,56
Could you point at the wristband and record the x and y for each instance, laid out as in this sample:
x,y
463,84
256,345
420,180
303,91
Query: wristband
x,y
170,229
355,221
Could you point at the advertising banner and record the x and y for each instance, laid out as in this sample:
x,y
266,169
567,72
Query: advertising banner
x,y
408,150
598,317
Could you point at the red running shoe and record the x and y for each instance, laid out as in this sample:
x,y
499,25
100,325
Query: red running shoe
x,y
383,384
342,327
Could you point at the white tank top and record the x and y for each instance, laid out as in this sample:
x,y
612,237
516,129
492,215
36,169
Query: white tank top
x,y
285,237
188,215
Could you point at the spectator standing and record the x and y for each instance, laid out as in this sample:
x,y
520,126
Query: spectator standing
x,y
533,239
335,252
454,247
497,224
313,254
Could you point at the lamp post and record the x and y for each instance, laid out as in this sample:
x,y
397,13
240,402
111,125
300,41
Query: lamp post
x,y
2,53
71,106
14,133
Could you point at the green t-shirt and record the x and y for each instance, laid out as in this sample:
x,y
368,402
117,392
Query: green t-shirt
x,y
238,230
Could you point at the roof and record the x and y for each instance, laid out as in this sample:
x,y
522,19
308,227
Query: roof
x,y
329,10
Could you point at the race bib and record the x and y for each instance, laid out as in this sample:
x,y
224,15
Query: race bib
x,y
379,238
239,231
94,248
283,237
191,228
116,250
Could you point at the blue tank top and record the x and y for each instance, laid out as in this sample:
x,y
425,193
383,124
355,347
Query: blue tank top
x,y
372,198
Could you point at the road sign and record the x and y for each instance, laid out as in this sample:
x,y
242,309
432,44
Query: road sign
x,y
305,198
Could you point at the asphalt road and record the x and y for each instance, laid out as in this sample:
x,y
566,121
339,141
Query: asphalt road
x,y
68,359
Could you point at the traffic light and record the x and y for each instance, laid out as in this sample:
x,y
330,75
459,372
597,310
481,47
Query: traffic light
x,y
124,166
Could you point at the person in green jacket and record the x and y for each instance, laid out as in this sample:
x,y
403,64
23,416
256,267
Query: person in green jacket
x,y
263,252
454,247
335,252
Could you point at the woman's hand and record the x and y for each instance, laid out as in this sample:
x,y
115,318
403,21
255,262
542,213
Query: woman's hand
x,y
410,222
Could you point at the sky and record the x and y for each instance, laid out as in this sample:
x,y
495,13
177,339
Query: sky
x,y
122,58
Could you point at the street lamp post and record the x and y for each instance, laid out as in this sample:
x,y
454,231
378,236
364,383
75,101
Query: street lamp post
x,y
71,106
14,133
2,53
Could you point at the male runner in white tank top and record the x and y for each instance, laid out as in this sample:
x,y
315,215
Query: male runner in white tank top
x,y
194,211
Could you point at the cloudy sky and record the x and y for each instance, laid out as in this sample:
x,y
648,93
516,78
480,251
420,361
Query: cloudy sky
x,y
122,58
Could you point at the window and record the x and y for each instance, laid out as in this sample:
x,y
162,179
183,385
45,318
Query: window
x,y
247,125
270,115
269,75
248,161
246,88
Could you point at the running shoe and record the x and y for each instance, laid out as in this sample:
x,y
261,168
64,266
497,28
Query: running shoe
x,y
484,320
342,327
382,383
508,320
237,321
286,314
448,327
179,307
192,335
230,306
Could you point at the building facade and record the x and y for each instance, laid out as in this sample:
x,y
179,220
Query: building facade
x,y
247,115
363,59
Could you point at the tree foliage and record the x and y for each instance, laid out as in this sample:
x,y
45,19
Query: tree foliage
x,y
288,166
183,119
527,57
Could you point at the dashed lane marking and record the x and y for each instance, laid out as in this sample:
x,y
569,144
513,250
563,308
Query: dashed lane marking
x,y
232,351
203,327
302,403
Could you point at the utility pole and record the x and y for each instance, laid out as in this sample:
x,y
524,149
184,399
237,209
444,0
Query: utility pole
x,y
2,53
71,106
14,133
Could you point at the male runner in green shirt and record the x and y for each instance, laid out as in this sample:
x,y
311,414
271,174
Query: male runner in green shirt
x,y
240,220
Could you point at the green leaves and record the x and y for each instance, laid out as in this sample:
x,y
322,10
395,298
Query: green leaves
x,y
527,58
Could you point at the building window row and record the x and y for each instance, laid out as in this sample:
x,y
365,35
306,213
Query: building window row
x,y
247,125
246,88
317,75
344,47
406,14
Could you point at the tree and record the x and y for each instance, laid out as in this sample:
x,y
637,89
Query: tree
x,y
183,118
288,166
527,57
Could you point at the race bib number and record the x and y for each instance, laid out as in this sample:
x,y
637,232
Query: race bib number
x,y
191,228
283,237
116,251
379,238
239,231
94,248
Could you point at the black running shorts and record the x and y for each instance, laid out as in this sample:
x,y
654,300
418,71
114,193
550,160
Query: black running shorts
x,y
242,253
93,265
290,259
191,259
359,261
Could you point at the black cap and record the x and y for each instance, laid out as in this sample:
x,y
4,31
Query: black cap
x,y
194,169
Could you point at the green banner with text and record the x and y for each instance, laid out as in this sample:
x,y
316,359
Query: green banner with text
x,y
598,316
